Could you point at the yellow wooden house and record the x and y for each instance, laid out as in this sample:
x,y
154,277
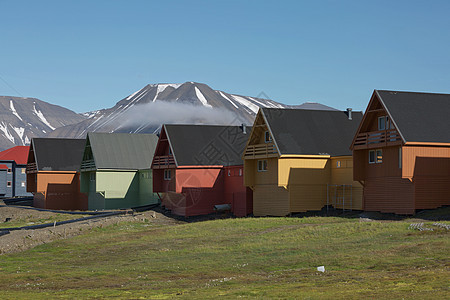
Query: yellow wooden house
x,y
299,160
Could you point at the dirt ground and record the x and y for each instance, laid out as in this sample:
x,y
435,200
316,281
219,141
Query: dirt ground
x,y
20,240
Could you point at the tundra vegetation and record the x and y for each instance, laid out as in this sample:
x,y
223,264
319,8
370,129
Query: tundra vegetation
x,y
248,257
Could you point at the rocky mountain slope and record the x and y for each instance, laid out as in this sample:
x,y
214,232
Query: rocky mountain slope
x,y
24,118
145,110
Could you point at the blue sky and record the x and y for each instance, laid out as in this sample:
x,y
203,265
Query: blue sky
x,y
87,55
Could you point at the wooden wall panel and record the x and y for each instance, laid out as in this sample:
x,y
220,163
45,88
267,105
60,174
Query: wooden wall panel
x,y
343,175
306,197
389,194
431,192
270,200
412,153
267,177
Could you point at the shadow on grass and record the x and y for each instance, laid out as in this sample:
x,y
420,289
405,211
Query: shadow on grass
x,y
438,214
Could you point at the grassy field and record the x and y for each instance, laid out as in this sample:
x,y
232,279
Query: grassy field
x,y
253,257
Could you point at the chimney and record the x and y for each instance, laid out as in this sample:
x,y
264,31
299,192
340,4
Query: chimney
x,y
349,113
244,128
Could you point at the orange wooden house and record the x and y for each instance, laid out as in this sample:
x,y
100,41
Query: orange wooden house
x,y
198,167
401,152
53,173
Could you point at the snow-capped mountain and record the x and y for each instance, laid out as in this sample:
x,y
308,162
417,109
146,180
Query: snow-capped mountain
x,y
24,118
146,109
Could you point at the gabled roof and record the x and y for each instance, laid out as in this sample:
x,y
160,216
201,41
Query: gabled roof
x,y
128,151
58,154
207,145
4,167
18,153
311,132
419,117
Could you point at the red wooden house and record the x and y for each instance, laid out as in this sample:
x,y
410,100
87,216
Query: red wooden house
x,y
401,152
199,166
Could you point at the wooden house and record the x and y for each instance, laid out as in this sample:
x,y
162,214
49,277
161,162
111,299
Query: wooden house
x,y
13,179
53,175
298,160
115,170
198,167
401,152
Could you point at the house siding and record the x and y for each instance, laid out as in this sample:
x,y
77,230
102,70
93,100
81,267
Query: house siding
x,y
389,194
59,190
270,200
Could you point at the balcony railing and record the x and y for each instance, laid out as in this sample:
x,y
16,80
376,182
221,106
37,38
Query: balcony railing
x,y
87,164
163,162
31,168
376,139
261,151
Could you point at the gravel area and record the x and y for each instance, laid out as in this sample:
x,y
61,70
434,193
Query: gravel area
x,y
20,240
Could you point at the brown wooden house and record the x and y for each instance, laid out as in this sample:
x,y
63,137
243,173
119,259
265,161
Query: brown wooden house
x,y
401,152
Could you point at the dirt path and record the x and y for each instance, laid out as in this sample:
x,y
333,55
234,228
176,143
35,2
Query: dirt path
x,y
20,240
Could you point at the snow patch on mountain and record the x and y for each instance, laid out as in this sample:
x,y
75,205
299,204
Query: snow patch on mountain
x,y
253,107
41,117
229,100
4,129
161,88
201,97
13,109
20,131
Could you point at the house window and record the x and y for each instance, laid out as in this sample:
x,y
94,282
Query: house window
x,y
145,175
9,170
170,151
22,184
240,172
23,170
400,157
167,174
262,165
229,172
382,123
379,156
267,137
371,156
338,164
9,184
92,176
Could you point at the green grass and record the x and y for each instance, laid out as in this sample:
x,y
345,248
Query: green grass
x,y
259,257
30,220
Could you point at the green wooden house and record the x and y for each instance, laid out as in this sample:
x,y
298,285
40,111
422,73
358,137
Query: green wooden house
x,y
115,171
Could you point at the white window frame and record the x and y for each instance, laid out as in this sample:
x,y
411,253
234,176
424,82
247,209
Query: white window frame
x,y
9,170
167,174
262,165
384,123
338,164
23,184
9,183
23,170
374,157
240,172
267,137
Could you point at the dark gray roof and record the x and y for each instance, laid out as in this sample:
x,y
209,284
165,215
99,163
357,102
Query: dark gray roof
x,y
129,151
207,144
312,132
58,154
420,117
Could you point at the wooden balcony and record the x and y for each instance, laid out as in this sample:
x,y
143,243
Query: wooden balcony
x,y
31,168
163,162
87,165
260,151
377,139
